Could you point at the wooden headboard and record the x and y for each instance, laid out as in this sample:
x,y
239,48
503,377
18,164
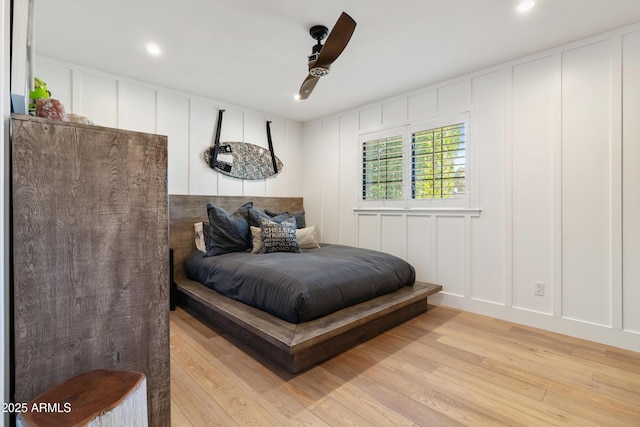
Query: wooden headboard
x,y
186,210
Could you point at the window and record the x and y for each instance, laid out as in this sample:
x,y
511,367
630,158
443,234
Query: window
x,y
438,162
421,164
382,169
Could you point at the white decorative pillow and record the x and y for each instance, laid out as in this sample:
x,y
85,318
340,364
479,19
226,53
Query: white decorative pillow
x,y
197,227
279,237
307,237
256,237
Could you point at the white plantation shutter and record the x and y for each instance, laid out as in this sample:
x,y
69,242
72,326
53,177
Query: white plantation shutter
x,y
382,165
417,165
438,162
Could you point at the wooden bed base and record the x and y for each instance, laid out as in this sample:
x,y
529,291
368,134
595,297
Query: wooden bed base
x,y
294,347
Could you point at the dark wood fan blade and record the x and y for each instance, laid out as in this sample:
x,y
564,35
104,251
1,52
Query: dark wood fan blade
x,y
336,41
307,86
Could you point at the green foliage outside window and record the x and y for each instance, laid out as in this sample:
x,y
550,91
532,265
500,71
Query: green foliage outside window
x,y
437,165
438,162
382,169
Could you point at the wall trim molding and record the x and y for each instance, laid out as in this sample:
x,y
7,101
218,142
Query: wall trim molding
x,y
624,339
419,211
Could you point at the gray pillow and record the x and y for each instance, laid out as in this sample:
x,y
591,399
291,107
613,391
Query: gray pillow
x,y
226,232
279,237
299,216
256,215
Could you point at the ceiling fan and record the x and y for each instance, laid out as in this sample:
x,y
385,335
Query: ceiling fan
x,y
322,56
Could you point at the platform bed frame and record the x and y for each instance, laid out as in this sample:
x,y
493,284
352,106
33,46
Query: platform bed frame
x,y
295,347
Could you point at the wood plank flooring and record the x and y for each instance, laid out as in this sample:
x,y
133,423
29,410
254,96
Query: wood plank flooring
x,y
442,368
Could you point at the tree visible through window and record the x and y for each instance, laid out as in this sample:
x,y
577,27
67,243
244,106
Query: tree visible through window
x,y
438,162
416,165
382,169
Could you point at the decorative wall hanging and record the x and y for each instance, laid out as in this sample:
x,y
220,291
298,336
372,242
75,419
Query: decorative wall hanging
x,y
242,160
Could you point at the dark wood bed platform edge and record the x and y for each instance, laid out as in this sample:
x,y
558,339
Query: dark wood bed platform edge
x,y
295,347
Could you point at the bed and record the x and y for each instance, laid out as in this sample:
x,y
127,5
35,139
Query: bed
x,y
299,341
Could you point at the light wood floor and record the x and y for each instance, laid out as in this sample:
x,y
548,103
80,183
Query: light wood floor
x,y
442,368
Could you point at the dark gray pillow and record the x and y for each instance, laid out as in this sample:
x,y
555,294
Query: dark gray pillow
x,y
299,216
242,211
279,237
226,232
256,215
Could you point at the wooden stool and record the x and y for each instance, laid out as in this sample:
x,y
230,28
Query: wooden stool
x,y
94,398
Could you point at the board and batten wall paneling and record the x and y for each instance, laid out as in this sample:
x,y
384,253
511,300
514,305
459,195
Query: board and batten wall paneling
x,y
369,232
586,183
173,121
631,181
394,111
232,130
451,262
59,81
349,194
97,97
453,95
392,235
189,121
202,127
487,145
255,132
330,180
370,118
137,108
423,104
312,189
533,108
419,246
548,192
287,145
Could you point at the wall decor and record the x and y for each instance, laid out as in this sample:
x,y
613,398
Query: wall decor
x,y
242,160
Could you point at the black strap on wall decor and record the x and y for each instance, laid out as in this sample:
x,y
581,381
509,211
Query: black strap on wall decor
x,y
216,145
273,155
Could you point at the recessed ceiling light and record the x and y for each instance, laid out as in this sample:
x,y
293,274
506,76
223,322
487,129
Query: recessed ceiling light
x,y
296,96
153,49
526,5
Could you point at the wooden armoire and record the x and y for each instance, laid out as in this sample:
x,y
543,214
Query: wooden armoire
x,y
90,256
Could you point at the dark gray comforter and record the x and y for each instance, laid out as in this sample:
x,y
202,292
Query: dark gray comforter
x,y
298,287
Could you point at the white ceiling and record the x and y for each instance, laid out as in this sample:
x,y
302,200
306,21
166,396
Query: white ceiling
x,y
253,53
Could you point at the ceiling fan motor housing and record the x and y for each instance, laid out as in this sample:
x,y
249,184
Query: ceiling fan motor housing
x,y
318,32
319,71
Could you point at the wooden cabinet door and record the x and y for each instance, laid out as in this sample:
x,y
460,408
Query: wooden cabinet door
x,y
90,256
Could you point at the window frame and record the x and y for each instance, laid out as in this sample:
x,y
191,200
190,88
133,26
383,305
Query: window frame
x,y
463,200
373,136
406,130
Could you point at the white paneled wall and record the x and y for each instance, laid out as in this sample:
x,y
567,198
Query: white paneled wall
x,y
586,183
631,182
349,155
189,122
96,95
553,198
532,142
419,251
451,255
330,169
489,149
172,119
